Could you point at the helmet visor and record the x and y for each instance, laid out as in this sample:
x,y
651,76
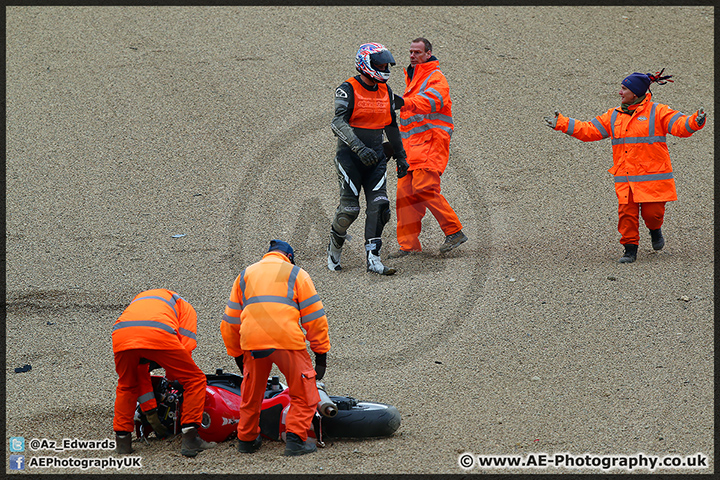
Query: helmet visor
x,y
382,57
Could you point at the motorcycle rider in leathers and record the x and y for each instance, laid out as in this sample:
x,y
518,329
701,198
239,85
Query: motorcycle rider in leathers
x,y
364,109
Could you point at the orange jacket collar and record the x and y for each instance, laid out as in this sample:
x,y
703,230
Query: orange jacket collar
x,y
276,254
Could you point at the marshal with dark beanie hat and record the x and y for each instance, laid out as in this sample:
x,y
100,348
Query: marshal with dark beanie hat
x,y
639,83
643,174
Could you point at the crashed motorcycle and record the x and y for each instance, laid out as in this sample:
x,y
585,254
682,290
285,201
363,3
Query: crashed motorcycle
x,y
336,416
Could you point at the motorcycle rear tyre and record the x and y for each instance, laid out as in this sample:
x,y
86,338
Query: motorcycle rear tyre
x,y
366,419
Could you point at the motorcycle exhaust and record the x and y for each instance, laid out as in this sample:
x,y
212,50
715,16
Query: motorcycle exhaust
x,y
325,406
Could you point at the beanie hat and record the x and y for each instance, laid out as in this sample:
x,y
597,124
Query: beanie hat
x,y
639,83
283,247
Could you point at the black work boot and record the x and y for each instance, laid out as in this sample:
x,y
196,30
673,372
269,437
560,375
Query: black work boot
x,y
630,254
295,446
658,241
192,444
123,443
249,446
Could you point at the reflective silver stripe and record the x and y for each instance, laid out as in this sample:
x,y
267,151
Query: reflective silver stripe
x,y
144,323
433,105
171,303
241,285
346,177
425,128
306,303
188,333
423,89
672,121
631,140
613,116
145,397
233,320
234,305
271,299
427,79
312,316
440,97
571,126
651,123
380,183
600,127
687,125
422,117
291,284
433,102
643,178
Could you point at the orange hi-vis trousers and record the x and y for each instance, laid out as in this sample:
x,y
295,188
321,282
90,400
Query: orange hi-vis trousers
x,y
417,192
653,213
300,376
178,364
147,395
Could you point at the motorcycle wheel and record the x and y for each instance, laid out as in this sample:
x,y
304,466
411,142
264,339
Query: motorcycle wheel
x,y
366,419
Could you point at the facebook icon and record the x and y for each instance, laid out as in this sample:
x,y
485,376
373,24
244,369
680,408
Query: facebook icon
x,y
17,462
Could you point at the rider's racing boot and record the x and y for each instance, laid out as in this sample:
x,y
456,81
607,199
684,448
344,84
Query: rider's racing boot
x,y
334,250
123,443
374,264
295,446
192,444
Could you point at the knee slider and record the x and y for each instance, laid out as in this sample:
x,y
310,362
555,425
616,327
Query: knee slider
x,y
345,216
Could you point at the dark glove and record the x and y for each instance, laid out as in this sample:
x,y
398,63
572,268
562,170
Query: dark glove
x,y
700,119
320,365
388,149
552,121
367,156
402,167
239,361
398,101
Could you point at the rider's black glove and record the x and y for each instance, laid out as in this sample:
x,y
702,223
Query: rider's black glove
x,y
398,101
320,365
388,150
367,156
402,166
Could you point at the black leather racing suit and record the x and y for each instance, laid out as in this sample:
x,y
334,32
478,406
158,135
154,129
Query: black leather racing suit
x,y
354,175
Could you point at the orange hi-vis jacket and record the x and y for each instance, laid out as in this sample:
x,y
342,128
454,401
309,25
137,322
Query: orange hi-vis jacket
x,y
426,123
269,303
156,319
641,161
371,109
